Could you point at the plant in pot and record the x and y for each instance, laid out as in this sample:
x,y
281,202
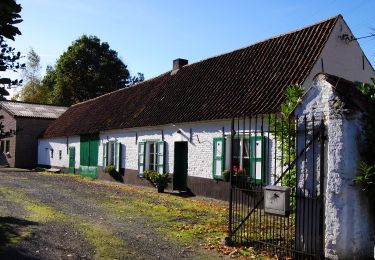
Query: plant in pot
x,y
160,181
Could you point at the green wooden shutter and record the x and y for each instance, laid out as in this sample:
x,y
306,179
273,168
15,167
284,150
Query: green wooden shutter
x,y
94,144
257,158
141,158
218,157
118,156
161,156
84,151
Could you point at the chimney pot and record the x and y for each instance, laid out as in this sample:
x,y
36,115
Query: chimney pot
x,y
179,63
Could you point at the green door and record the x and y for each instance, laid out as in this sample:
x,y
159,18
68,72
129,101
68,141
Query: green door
x,y
180,172
89,146
72,159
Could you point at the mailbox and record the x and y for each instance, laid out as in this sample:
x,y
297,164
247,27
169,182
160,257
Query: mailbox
x,y
276,200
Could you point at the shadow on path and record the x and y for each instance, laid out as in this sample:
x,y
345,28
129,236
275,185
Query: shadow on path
x,y
10,235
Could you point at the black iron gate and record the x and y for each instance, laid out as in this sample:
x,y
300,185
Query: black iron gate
x,y
271,150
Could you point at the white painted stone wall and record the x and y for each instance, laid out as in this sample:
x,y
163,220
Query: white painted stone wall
x,y
342,59
349,233
199,150
57,144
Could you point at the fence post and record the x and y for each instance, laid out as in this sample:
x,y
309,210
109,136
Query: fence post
x,y
322,211
228,239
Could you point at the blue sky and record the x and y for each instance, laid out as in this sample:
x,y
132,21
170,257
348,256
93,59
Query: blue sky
x,y
148,35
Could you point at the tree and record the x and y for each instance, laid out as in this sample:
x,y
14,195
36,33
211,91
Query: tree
x,y
89,68
33,90
9,58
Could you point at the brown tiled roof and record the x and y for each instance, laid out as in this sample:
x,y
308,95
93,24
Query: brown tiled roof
x,y
247,81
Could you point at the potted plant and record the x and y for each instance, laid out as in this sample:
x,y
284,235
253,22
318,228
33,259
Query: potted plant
x,y
160,181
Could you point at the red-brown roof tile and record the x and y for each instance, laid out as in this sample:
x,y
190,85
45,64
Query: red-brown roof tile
x,y
247,81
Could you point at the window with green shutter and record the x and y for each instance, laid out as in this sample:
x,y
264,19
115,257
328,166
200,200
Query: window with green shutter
x,y
151,156
112,154
248,155
218,157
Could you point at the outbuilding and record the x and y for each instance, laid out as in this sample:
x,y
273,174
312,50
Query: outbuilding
x,y
25,121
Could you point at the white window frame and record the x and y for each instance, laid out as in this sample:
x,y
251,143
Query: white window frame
x,y
112,153
145,161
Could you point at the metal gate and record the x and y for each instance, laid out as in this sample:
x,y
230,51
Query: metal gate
x,y
271,150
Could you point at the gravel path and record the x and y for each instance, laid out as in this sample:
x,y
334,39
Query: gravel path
x,y
60,217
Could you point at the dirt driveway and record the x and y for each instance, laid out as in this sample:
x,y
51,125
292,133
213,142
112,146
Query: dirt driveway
x,y
45,216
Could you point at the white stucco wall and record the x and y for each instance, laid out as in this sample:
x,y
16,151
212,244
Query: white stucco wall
x,y
348,229
57,144
342,59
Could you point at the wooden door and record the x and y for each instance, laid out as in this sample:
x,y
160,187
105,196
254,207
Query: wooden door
x,y
180,172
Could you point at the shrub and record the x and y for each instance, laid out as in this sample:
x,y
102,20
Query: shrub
x,y
111,169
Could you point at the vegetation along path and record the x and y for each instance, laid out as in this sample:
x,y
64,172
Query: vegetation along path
x,y
46,216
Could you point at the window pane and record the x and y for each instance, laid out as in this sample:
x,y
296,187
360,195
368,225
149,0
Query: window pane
x,y
160,159
236,163
246,165
219,149
236,148
246,148
258,170
152,148
258,148
111,153
160,148
219,170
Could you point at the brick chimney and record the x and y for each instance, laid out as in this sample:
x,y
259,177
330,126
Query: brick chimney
x,y
178,64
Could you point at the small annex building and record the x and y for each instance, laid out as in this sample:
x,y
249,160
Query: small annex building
x,y
28,121
179,122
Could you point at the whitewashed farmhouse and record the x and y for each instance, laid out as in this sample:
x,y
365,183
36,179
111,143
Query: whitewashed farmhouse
x,y
179,122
